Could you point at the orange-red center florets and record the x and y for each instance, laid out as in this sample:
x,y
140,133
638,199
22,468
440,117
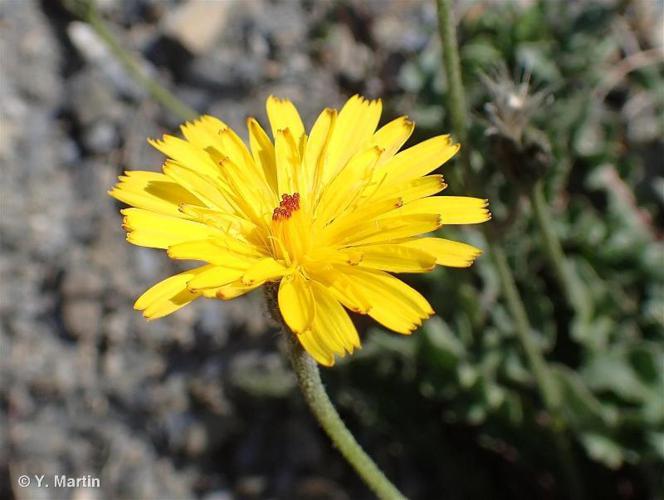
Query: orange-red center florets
x,y
287,205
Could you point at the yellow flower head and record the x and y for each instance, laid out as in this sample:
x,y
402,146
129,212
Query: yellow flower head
x,y
327,215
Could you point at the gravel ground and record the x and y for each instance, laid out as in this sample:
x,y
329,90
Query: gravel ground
x,y
200,404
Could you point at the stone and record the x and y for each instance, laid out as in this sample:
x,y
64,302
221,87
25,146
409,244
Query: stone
x,y
81,317
82,282
92,99
197,24
102,137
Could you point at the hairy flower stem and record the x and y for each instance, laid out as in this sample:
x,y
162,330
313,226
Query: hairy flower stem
x,y
547,386
545,380
448,37
567,279
308,377
456,96
313,390
87,11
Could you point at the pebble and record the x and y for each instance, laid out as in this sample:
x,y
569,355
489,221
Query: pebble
x,y
197,24
82,317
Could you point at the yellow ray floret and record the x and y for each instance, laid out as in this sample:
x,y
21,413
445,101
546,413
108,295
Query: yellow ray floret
x,y
328,215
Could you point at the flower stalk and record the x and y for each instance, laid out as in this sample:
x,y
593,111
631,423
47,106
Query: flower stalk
x,y
457,98
448,37
545,381
87,11
310,383
308,377
574,290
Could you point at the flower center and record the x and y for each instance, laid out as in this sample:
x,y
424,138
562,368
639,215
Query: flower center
x,y
288,204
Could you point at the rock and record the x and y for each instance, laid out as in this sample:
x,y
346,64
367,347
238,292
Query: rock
x,y
350,58
197,24
30,53
82,282
82,317
92,99
101,137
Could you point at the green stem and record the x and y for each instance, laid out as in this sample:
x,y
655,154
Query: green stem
x,y
455,92
545,380
313,390
448,37
86,10
308,377
568,280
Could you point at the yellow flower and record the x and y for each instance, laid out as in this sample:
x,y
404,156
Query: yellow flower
x,y
327,215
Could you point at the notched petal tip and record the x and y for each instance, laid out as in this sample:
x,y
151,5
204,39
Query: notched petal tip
x,y
156,143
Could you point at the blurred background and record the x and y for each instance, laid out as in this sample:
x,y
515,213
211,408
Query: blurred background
x,y
564,95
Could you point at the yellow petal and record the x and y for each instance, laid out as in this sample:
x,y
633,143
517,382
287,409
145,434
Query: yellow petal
x,y
152,191
388,229
311,342
296,303
230,223
332,322
186,154
447,252
420,159
395,258
168,295
392,136
346,186
232,147
266,269
348,222
214,277
230,291
394,304
411,190
202,186
283,114
343,289
288,162
203,132
451,209
212,251
352,132
262,150
315,152
247,194
150,229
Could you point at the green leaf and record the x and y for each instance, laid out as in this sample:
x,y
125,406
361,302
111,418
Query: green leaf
x,y
441,343
603,450
581,408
